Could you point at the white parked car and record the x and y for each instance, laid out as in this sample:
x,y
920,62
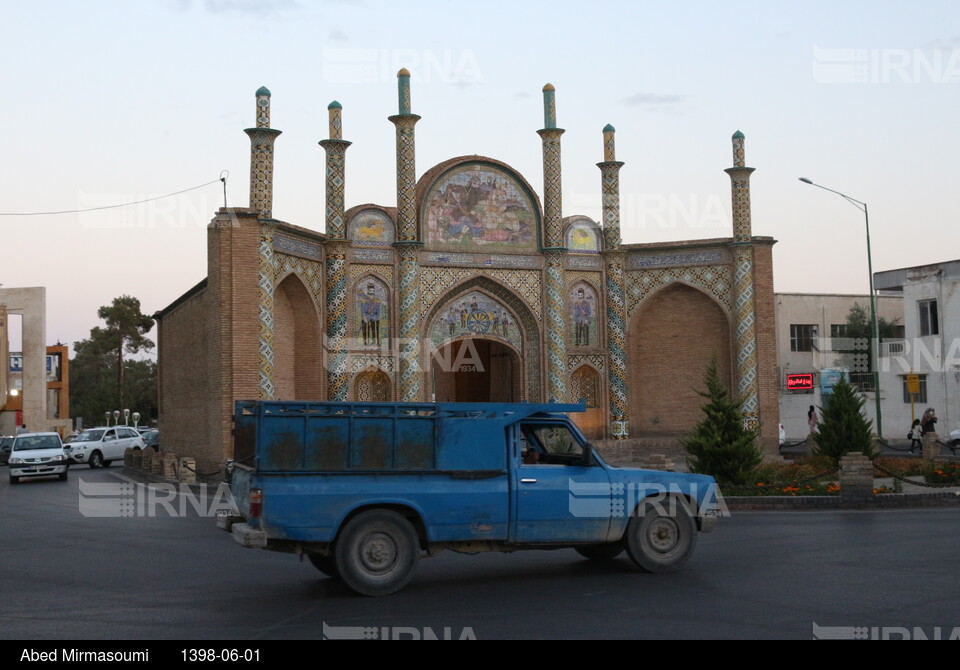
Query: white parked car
x,y
37,455
98,447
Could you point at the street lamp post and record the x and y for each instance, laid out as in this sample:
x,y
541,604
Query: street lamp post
x,y
875,349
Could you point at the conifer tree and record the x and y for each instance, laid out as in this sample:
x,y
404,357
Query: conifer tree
x,y
843,427
721,445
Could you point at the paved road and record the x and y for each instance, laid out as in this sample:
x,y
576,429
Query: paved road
x,y
760,575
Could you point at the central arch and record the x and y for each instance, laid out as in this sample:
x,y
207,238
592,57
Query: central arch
x,y
503,337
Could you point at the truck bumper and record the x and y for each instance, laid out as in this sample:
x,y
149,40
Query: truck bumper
x,y
247,536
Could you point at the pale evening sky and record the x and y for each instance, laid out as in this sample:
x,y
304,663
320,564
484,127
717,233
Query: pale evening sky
x,y
111,101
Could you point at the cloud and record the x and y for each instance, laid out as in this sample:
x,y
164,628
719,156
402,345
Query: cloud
x,y
654,99
943,44
259,7
337,36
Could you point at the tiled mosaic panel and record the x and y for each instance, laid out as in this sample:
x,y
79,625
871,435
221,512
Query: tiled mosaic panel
x,y
475,314
436,282
583,236
371,313
714,280
583,315
479,207
371,227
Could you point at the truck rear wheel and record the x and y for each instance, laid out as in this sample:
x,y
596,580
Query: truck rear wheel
x,y
377,552
661,536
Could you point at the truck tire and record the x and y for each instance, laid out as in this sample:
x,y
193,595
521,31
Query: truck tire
x,y
377,552
601,552
661,535
325,564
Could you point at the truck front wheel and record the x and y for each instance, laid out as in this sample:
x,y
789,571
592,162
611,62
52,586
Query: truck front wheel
x,y
661,535
377,552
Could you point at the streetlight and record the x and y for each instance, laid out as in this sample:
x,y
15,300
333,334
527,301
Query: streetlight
x,y
874,350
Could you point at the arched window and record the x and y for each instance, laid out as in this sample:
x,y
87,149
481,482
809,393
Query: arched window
x,y
585,384
373,386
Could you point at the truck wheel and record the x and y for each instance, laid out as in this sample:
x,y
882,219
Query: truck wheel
x,y
96,460
376,553
325,564
662,535
601,552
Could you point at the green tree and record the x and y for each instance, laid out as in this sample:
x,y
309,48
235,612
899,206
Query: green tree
x,y
101,380
91,379
126,332
721,445
843,427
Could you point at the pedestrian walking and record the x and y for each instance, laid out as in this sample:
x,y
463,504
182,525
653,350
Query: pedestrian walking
x,y
929,421
916,432
812,420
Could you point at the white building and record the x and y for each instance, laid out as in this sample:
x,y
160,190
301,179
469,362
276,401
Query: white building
x,y
812,338
930,348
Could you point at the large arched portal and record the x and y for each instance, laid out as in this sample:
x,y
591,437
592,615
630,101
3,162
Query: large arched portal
x,y
672,339
476,370
485,346
297,343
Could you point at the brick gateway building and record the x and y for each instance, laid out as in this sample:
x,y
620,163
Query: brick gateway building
x,y
468,289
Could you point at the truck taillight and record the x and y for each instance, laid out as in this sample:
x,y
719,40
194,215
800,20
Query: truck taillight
x,y
256,503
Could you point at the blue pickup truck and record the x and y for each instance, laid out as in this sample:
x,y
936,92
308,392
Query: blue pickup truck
x,y
364,490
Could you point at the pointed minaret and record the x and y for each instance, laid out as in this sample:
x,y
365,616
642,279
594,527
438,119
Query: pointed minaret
x,y
743,281
616,304
262,138
408,243
336,254
553,251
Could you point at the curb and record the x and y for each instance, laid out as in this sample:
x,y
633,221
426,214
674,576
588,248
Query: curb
x,y
879,500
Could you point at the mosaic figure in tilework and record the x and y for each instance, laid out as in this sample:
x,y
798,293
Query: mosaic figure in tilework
x,y
475,314
583,315
372,315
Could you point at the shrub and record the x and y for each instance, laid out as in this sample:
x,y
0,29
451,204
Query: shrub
x,y
843,428
721,445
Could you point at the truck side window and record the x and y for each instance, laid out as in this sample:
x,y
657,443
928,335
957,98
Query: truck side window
x,y
550,444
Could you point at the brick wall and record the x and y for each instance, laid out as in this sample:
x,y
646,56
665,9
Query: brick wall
x,y
182,350
671,342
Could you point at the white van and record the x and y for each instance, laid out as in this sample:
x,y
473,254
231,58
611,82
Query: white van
x,y
98,447
37,455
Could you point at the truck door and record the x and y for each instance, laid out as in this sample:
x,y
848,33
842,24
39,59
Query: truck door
x,y
557,497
